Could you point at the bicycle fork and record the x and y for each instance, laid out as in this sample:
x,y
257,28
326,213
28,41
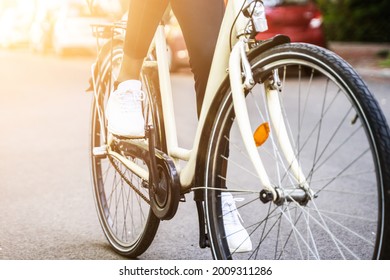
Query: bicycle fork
x,y
238,62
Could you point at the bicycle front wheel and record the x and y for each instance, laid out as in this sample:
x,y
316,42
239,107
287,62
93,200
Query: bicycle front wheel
x,y
340,139
121,197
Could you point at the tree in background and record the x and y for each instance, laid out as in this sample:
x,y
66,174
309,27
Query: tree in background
x,y
356,20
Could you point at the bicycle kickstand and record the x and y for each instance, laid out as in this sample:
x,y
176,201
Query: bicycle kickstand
x,y
203,236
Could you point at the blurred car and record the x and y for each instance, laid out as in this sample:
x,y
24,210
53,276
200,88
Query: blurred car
x,y
72,29
41,33
176,46
14,28
301,20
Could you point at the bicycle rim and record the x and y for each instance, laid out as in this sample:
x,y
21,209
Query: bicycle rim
x,y
331,119
121,197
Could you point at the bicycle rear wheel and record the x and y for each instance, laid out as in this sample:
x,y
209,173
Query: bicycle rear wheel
x,y
121,197
341,141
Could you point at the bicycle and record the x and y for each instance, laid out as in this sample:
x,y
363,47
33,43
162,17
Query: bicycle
x,y
289,129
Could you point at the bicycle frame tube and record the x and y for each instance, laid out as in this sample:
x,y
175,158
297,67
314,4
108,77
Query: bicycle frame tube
x,y
218,73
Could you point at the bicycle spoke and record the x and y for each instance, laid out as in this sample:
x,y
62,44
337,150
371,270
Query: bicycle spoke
x,y
344,169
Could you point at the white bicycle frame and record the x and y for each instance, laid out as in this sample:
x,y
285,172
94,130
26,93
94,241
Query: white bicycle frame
x,y
218,73
224,63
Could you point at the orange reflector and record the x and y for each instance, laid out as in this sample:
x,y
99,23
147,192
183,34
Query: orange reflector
x,y
261,134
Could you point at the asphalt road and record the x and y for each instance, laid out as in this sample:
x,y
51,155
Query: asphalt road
x,y
46,204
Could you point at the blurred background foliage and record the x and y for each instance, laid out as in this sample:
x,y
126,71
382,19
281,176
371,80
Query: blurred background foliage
x,y
356,20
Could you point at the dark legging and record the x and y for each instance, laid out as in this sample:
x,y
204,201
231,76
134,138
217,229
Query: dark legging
x,y
200,21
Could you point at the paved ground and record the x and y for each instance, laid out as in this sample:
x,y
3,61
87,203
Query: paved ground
x,y
364,57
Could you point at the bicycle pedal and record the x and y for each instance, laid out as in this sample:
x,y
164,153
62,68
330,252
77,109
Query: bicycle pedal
x,y
100,151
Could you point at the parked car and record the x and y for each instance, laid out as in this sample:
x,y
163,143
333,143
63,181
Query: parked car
x,y
41,33
72,28
301,20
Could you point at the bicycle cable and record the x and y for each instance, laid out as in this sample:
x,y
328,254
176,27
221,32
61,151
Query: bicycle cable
x,y
236,18
233,24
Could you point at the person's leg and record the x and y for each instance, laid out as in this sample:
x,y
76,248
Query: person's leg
x,y
143,19
200,22
124,107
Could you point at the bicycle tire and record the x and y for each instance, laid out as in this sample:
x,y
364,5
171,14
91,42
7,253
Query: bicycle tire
x,y
121,198
344,155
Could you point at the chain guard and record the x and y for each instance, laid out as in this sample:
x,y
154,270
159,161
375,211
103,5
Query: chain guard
x,y
164,194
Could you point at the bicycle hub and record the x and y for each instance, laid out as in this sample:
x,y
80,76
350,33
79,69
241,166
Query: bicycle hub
x,y
297,195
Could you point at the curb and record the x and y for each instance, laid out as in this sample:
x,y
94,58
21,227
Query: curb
x,y
363,57
374,73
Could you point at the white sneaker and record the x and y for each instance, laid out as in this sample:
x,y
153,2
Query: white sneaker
x,y
124,110
237,236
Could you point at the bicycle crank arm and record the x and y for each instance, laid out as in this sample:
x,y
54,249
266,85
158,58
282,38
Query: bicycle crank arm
x,y
137,148
152,156
105,151
164,182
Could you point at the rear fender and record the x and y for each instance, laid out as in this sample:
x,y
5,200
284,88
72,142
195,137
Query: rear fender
x,y
103,54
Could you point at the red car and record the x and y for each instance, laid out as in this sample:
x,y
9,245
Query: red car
x,y
301,20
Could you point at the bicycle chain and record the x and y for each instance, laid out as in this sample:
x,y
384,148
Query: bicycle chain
x,y
128,181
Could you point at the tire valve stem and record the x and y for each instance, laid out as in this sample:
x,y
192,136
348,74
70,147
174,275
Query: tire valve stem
x,y
354,120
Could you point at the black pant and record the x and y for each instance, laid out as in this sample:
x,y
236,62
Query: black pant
x,y
200,21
